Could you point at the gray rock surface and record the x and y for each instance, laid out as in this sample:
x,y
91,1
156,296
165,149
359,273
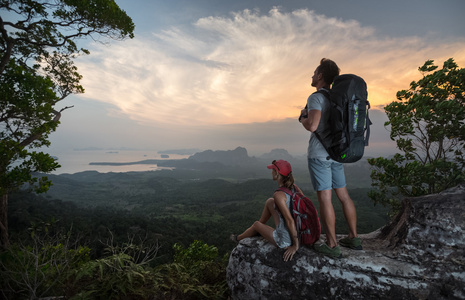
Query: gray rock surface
x,y
420,255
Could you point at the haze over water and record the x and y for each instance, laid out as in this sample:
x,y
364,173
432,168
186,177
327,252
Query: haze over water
x,y
79,160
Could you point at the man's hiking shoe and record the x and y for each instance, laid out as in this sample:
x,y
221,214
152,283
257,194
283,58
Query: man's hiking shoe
x,y
326,250
352,243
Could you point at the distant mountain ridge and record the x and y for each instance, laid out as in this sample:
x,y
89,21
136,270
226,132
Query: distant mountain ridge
x,y
357,174
277,154
238,156
237,163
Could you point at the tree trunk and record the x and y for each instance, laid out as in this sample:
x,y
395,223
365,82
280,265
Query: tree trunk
x,y
4,240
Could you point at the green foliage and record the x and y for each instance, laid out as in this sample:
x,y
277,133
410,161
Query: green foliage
x,y
178,283
37,50
41,267
120,275
25,101
197,252
117,276
428,124
195,274
48,267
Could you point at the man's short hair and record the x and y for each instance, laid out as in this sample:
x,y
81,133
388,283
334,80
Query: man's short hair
x,y
328,69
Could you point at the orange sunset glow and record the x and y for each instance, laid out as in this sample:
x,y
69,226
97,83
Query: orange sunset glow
x,y
254,67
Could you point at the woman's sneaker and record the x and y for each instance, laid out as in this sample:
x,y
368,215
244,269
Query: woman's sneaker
x,y
233,237
326,250
352,243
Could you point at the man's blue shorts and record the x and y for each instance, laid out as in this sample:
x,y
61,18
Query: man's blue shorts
x,y
326,174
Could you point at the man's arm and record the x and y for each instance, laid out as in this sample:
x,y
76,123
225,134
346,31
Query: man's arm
x,y
312,121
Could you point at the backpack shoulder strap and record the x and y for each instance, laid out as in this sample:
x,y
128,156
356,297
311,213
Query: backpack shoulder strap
x,y
323,92
286,190
295,188
291,193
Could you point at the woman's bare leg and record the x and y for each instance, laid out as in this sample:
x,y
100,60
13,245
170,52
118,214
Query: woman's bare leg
x,y
260,227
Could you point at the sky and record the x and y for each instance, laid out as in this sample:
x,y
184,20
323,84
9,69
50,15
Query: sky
x,y
217,75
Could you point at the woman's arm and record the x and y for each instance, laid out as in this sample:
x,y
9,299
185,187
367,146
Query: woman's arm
x,y
280,201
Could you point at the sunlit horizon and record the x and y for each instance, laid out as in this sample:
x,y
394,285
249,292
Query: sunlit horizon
x,y
230,75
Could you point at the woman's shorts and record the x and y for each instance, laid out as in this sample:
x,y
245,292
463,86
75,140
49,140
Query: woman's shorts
x,y
281,236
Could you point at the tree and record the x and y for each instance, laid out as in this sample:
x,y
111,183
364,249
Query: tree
x,y
37,42
428,124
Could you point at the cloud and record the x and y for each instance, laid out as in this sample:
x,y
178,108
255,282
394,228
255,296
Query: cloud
x,y
247,67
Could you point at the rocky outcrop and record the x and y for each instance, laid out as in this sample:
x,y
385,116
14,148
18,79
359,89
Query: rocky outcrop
x,y
420,255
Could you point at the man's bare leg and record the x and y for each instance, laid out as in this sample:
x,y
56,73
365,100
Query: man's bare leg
x,y
328,217
349,210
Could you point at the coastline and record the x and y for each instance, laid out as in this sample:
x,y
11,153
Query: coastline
x,y
105,161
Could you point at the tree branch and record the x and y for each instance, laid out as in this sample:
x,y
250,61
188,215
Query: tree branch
x,y
9,46
37,135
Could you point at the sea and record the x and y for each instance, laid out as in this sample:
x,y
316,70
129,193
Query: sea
x,y
75,161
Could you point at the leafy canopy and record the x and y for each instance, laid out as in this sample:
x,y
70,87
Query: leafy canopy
x,y
37,47
428,124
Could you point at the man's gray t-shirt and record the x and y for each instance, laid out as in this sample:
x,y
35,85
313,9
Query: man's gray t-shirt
x,y
319,102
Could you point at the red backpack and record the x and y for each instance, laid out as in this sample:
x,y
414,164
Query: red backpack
x,y
305,216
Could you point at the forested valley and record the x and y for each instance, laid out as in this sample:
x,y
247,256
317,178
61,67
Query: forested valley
x,y
183,216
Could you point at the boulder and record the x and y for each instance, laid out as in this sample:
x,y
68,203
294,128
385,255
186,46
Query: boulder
x,y
420,255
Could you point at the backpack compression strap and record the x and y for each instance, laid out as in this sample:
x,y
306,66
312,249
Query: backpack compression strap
x,y
368,122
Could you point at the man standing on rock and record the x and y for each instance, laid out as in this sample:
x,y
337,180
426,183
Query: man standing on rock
x,y
325,173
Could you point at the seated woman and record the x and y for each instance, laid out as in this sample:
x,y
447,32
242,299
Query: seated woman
x,y
285,234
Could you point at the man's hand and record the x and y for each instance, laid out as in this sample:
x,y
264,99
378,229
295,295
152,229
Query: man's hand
x,y
303,114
